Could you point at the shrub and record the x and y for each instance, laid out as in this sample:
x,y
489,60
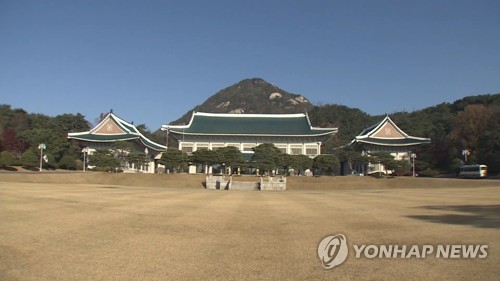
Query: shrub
x,y
6,158
29,159
68,163
428,173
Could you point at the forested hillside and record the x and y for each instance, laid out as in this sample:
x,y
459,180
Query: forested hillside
x,y
471,123
22,132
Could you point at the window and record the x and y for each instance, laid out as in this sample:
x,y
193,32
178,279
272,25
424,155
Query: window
x,y
295,151
281,147
312,151
187,149
201,146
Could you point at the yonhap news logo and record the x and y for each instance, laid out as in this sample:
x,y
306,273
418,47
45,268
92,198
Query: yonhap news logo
x,y
333,251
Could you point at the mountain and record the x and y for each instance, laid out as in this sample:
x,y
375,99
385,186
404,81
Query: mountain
x,y
471,123
251,96
258,96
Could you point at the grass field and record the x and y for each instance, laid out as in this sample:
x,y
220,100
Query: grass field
x,y
156,227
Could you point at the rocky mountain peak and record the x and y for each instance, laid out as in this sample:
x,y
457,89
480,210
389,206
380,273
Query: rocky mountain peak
x,y
251,96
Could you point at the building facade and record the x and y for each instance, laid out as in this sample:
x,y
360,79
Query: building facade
x,y
387,137
113,129
291,133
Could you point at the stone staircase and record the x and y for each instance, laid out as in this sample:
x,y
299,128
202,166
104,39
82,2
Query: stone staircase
x,y
227,183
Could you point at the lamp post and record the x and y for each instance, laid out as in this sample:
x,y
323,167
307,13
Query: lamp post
x,y
41,146
166,145
465,153
413,156
147,159
85,151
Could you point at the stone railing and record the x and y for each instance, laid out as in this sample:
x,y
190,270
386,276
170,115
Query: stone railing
x,y
218,182
273,183
223,183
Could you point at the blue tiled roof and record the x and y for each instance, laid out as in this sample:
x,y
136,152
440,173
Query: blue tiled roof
x,y
250,124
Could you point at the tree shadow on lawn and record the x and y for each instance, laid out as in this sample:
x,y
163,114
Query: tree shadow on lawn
x,y
8,168
482,216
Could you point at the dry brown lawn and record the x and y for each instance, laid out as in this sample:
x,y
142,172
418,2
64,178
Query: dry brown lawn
x,y
156,227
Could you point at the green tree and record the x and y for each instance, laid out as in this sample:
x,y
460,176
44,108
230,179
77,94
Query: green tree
x,y
266,157
104,160
67,162
229,156
30,159
327,164
469,125
174,160
385,159
71,123
350,122
121,150
205,157
6,158
138,159
288,162
158,136
352,158
303,162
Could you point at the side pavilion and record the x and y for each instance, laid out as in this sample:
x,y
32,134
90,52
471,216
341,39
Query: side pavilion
x,y
113,129
386,136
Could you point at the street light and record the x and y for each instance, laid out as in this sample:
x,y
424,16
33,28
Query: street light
x,y
465,153
413,156
85,151
41,146
166,145
147,159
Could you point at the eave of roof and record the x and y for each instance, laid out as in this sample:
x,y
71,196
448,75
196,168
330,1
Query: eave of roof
x,y
131,133
394,142
297,125
101,137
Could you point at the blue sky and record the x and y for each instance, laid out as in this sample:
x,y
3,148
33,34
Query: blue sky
x,y
152,61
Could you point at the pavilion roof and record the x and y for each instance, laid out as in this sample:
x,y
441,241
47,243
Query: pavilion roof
x,y
111,129
249,125
387,133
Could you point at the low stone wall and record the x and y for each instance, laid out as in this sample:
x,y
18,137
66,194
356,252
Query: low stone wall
x,y
223,183
243,185
273,183
218,182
